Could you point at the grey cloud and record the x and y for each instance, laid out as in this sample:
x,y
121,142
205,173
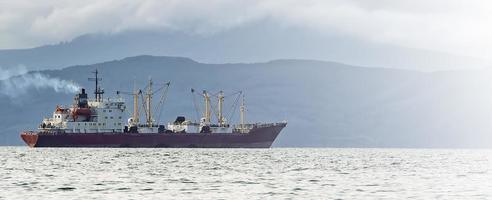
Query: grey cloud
x,y
457,27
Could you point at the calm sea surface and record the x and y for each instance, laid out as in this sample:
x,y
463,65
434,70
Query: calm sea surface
x,y
278,173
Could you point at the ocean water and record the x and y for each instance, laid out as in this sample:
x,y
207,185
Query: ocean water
x,y
277,173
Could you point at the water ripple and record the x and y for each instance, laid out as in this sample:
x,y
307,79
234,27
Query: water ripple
x,y
87,173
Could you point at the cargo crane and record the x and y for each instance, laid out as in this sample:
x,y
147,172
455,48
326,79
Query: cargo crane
x,y
134,121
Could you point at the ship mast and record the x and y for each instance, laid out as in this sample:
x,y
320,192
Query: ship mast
x,y
136,115
207,106
98,92
148,101
221,102
242,109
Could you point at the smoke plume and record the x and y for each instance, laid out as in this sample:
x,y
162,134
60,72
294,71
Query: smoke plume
x,y
7,73
16,82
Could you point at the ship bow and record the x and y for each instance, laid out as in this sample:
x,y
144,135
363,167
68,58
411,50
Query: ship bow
x,y
30,138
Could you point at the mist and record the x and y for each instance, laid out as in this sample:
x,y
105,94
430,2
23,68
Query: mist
x,y
436,25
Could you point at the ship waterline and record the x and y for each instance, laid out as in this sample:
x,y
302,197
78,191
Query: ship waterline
x,y
257,138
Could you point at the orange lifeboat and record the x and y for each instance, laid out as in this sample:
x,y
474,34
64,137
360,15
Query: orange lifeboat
x,y
80,111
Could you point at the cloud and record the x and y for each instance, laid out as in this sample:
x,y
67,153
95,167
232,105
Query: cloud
x,y
455,26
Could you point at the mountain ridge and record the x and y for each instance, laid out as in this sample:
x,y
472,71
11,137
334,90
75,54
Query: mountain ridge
x,y
327,104
256,42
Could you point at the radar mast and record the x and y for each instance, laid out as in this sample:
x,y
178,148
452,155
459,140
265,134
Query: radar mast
x,y
98,92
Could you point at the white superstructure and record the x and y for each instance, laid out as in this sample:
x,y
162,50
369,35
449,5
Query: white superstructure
x,y
88,116
107,115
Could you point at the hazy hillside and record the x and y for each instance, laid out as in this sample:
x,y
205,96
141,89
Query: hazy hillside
x,y
325,103
256,42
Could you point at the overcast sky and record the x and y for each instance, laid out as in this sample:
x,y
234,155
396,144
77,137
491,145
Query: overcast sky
x,y
456,26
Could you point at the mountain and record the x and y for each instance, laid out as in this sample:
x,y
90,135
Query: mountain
x,y
326,104
254,42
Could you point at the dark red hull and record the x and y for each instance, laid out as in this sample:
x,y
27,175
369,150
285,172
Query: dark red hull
x,y
257,138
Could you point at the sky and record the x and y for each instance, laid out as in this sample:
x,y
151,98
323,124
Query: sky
x,y
453,26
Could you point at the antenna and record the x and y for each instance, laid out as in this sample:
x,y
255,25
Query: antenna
x,y
97,92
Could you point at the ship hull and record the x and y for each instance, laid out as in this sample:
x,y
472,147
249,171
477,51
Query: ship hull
x,y
256,138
